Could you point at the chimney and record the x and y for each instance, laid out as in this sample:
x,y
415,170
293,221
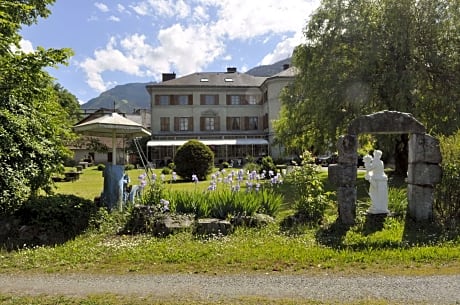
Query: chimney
x,y
231,69
168,76
285,66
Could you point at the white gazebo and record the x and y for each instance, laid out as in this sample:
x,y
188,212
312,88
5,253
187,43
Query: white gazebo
x,y
112,125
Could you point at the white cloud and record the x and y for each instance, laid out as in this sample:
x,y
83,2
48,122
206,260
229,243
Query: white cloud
x,y
192,37
26,46
102,7
114,18
163,8
121,8
283,49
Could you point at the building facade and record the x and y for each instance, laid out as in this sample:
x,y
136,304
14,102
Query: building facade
x,y
231,112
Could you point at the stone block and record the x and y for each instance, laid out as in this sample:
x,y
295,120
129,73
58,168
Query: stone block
x,y
346,197
424,148
347,147
386,122
420,202
424,174
342,175
213,226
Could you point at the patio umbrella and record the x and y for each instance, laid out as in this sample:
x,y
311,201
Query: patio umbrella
x,y
112,125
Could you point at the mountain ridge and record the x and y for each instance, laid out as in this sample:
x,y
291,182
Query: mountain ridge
x,y
133,96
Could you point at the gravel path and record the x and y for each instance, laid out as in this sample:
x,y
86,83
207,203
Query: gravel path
x,y
414,289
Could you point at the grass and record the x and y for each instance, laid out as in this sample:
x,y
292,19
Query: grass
x,y
390,246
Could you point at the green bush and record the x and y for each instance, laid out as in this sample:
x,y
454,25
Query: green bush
x,y
194,158
129,167
50,220
267,165
251,166
447,193
153,193
166,170
312,199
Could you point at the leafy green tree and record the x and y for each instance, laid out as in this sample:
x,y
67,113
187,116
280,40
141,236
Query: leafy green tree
x,y
194,158
69,102
365,56
34,127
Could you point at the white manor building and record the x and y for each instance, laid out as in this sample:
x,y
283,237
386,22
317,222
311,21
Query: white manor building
x,y
231,112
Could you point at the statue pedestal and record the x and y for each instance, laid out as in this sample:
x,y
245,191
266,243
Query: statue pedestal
x,y
112,195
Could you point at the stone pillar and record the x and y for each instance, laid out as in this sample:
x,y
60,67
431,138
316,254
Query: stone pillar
x,y
343,176
423,174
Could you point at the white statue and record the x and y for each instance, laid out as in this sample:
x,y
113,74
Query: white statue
x,y
378,189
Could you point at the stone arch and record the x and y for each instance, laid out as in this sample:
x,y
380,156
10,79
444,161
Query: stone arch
x,y
424,171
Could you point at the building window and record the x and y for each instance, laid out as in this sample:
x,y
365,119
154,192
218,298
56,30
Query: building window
x,y
164,124
163,99
235,100
182,100
252,100
183,124
209,99
209,124
253,123
233,123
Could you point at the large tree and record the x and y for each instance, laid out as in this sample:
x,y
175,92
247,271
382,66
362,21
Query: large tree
x,y
34,127
363,56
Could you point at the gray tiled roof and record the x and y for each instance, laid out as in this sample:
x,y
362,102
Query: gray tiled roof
x,y
214,79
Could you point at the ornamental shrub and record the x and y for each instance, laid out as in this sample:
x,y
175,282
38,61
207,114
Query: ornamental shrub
x,y
312,199
194,158
447,193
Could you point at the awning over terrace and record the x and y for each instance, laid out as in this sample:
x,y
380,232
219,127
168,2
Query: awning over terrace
x,y
252,141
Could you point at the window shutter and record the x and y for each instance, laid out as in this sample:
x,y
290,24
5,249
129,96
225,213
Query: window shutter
x,y
217,123
176,124
157,100
229,99
190,124
190,99
246,123
229,123
202,99
202,123
216,102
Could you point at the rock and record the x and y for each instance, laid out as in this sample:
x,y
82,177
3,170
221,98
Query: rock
x,y
213,226
254,221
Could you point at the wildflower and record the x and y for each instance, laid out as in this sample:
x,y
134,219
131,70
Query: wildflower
x,y
194,178
165,204
174,176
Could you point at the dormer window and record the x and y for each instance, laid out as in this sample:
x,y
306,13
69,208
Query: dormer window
x,y
228,80
204,80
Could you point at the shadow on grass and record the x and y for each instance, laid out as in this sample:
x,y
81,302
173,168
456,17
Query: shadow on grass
x,y
427,233
46,221
332,235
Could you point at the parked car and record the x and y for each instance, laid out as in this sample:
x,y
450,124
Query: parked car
x,y
326,160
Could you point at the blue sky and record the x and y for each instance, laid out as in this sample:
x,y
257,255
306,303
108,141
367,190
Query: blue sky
x,y
125,41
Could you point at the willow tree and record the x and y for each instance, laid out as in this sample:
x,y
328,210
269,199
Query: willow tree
x,y
34,127
364,56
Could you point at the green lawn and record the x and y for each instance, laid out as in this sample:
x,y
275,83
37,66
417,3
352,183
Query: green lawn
x,y
392,246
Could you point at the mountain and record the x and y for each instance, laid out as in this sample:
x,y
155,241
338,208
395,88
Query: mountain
x,y
269,70
126,98
132,96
